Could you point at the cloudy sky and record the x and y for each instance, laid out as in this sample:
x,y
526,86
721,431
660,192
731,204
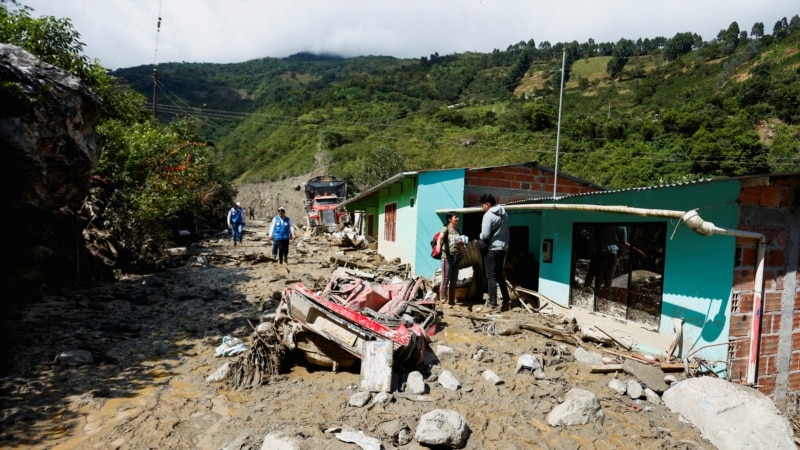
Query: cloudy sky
x,y
125,33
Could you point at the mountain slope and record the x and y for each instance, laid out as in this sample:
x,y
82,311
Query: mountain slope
x,y
711,111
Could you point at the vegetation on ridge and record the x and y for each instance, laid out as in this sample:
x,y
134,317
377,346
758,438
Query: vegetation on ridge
x,y
634,113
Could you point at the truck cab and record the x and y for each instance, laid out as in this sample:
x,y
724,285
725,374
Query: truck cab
x,y
323,197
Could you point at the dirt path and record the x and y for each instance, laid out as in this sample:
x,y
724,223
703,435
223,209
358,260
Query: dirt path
x,y
153,342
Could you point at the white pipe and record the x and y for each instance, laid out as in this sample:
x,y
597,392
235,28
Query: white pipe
x,y
696,223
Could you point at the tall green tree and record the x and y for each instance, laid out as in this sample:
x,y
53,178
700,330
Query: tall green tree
x,y
678,45
758,30
157,178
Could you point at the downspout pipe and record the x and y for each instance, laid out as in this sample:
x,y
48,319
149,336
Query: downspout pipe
x,y
697,224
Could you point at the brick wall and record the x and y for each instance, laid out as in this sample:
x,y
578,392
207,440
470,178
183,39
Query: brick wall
x,y
770,209
512,183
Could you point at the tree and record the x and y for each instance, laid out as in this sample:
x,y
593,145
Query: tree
x,y
615,65
52,40
379,166
624,49
729,38
781,28
678,45
794,23
758,30
732,150
157,178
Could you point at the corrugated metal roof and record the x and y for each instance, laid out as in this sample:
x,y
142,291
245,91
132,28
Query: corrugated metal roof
x,y
614,191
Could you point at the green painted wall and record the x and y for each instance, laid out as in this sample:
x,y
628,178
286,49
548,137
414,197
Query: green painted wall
x,y
406,228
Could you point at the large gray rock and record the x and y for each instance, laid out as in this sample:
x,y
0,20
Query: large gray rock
x,y
579,408
443,428
650,376
730,416
49,148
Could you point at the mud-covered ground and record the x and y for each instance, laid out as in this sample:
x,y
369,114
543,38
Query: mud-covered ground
x,y
153,341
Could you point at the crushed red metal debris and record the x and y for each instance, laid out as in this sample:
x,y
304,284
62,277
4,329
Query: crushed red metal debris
x,y
330,327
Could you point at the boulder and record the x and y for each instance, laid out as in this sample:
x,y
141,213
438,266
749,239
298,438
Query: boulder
x,y
47,133
730,416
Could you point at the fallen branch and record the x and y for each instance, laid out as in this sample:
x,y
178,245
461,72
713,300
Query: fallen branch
x,y
261,361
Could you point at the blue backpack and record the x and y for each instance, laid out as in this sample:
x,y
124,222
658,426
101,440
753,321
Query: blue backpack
x,y
236,216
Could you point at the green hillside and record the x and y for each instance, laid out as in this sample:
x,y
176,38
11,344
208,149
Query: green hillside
x,y
633,113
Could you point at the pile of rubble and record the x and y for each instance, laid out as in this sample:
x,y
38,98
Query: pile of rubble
x,y
391,329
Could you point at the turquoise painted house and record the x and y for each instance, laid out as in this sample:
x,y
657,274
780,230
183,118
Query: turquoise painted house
x,y
400,214
706,271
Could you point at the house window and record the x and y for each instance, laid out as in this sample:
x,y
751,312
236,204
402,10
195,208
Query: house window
x,y
615,279
390,222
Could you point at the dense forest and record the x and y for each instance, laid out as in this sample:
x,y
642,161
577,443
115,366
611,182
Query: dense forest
x,y
633,113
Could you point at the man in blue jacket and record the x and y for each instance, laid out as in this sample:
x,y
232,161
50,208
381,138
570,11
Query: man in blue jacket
x,y
495,233
281,231
236,222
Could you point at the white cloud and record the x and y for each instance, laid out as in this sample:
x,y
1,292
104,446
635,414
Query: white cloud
x,y
122,33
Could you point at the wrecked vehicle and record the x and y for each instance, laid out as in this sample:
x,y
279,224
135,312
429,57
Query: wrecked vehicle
x,y
324,194
330,328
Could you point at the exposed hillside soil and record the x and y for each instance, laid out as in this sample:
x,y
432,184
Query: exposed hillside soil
x,y
153,339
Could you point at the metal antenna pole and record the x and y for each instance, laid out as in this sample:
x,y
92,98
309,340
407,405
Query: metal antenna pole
x,y
558,129
155,99
155,66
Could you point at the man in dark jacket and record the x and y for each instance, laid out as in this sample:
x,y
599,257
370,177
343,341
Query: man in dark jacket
x,y
495,233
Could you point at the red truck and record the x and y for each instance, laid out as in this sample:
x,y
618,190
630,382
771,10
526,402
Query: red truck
x,y
324,194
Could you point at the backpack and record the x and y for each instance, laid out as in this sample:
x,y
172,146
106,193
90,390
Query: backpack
x,y
434,253
236,216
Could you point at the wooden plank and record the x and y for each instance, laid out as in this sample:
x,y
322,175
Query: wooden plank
x,y
606,368
621,343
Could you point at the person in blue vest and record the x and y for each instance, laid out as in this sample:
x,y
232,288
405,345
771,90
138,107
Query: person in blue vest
x,y
236,222
281,232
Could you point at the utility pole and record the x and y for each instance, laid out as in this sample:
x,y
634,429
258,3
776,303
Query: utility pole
x,y
155,99
155,66
558,129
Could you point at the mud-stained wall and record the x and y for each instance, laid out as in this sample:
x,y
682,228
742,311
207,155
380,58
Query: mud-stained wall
x,y
771,206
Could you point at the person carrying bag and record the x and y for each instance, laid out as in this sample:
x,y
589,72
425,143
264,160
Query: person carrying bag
x,y
450,245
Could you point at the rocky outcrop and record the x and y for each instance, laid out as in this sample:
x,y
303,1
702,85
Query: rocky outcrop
x,y
49,148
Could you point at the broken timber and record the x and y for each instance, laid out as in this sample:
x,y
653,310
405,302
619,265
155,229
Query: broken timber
x,y
550,333
666,367
615,339
350,263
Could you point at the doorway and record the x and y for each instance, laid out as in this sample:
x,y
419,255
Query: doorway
x,y
618,270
